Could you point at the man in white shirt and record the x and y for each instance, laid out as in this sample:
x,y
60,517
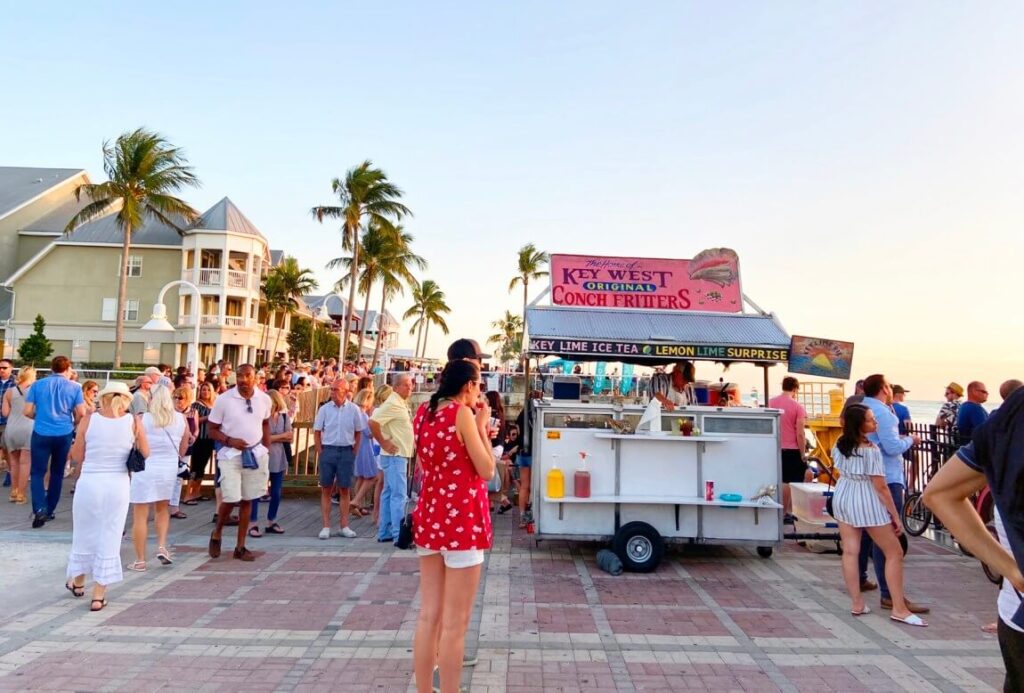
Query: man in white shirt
x,y
240,422
336,435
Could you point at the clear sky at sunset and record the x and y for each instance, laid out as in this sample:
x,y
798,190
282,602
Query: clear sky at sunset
x,y
866,160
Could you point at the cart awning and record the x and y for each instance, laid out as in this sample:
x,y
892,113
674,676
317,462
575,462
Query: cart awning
x,y
651,337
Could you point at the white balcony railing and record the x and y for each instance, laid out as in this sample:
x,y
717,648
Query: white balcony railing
x,y
234,321
189,320
237,280
210,320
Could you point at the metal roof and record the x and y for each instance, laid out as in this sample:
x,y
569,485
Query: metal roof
x,y
57,219
20,184
106,230
654,328
225,216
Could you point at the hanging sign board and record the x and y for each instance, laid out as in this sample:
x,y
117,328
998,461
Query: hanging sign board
x,y
657,350
827,358
708,282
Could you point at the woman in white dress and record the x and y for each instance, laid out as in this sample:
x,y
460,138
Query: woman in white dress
x,y
18,435
862,502
167,434
100,505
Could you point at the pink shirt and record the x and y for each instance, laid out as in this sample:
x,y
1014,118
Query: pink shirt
x,y
792,439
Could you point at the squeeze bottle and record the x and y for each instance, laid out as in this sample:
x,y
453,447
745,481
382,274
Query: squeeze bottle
x,y
581,479
556,482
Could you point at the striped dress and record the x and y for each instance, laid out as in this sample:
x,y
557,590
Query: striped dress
x,y
855,501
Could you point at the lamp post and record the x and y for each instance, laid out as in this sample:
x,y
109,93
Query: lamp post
x,y
158,320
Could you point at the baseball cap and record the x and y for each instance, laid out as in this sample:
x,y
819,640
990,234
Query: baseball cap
x,y
955,387
898,390
465,349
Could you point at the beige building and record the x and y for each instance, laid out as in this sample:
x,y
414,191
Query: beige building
x,y
72,280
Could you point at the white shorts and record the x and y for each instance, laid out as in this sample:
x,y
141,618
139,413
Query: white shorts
x,y
456,559
237,484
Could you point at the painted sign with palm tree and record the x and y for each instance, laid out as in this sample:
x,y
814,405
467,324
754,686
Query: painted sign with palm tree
x,y
387,259
365,194
143,172
428,308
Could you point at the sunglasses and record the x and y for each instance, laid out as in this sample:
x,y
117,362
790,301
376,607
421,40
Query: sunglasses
x,y
248,405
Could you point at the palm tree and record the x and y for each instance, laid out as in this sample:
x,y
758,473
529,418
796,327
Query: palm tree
x,y
386,258
531,261
366,193
273,301
509,336
290,283
428,307
143,171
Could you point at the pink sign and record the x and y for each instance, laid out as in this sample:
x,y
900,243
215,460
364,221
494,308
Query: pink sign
x,y
708,282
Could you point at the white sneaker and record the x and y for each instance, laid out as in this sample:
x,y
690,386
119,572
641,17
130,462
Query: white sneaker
x,y
325,533
347,532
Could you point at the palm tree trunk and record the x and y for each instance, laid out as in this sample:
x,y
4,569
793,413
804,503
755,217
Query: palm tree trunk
x,y
351,294
525,284
426,334
266,326
419,335
380,321
362,323
277,341
122,297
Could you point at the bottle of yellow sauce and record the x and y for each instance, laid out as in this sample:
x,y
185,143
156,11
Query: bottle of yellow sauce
x,y
556,483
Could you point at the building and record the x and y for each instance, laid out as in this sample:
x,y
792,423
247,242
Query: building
x,y
335,307
72,280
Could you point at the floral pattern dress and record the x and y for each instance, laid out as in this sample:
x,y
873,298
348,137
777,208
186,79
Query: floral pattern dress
x,y
452,513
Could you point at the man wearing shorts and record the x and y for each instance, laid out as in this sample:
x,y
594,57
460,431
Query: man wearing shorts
x,y
240,422
336,435
791,433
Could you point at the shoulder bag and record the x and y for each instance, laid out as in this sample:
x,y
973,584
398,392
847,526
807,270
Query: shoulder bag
x,y
136,462
184,470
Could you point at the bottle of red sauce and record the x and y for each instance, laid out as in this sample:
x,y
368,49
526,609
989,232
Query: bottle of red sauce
x,y
581,479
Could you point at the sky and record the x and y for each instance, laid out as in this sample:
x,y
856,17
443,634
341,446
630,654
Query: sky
x,y
865,160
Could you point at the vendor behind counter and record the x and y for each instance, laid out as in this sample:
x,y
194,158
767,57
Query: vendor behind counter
x,y
677,388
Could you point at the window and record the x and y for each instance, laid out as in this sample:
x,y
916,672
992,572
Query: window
x,y
134,265
109,313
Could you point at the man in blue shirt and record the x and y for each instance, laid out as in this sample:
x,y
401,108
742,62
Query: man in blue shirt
x,y
877,398
56,405
972,414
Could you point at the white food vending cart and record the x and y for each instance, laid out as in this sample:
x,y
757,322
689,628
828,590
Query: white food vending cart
x,y
646,488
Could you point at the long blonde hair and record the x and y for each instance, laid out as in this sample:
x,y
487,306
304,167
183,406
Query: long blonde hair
x,y
161,408
27,375
362,397
277,402
383,392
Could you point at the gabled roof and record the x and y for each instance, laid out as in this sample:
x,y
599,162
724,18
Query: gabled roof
x,y
225,216
275,257
19,185
57,219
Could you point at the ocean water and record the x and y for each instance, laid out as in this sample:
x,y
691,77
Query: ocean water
x,y
921,411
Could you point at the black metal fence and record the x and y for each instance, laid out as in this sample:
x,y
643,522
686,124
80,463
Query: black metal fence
x,y
923,460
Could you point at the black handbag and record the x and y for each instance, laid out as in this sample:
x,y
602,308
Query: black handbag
x,y
405,533
135,462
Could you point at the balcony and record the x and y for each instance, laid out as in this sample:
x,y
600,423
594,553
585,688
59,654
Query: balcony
x,y
216,277
208,320
234,321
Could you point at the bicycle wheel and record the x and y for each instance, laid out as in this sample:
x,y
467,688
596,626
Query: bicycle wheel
x,y
916,515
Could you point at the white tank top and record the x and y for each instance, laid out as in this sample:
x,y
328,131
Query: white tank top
x,y
107,443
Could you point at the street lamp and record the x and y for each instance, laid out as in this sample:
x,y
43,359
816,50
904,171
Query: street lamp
x,y
158,320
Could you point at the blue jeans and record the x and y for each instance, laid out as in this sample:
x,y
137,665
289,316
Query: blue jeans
x,y
52,452
393,496
276,486
867,547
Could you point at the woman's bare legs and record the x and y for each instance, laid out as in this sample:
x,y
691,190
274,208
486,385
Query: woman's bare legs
x,y
460,585
850,536
378,486
140,529
885,539
162,520
21,463
424,644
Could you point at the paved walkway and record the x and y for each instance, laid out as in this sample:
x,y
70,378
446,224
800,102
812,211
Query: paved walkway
x,y
314,615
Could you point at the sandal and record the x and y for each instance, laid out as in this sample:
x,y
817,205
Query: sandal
x,y
102,603
274,529
356,511
863,611
137,566
911,620
178,515
190,501
255,532
77,590
214,549
505,507
163,555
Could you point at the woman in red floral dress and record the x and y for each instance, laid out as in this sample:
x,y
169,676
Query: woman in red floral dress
x,y
452,521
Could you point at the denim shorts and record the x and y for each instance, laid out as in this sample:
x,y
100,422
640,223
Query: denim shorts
x,y
337,464
524,460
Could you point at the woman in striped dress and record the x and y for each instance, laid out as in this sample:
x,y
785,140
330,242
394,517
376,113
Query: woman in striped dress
x,y
862,502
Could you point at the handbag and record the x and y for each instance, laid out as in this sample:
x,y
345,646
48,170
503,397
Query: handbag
x,y
405,533
184,469
135,462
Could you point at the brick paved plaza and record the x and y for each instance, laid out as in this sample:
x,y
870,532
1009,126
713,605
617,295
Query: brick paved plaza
x,y
339,615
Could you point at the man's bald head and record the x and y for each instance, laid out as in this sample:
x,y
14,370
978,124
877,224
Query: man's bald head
x,y
1009,387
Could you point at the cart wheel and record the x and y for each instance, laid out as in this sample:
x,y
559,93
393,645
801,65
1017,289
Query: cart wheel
x,y
764,551
639,547
916,515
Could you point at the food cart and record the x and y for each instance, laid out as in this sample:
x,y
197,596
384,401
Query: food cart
x,y
647,487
